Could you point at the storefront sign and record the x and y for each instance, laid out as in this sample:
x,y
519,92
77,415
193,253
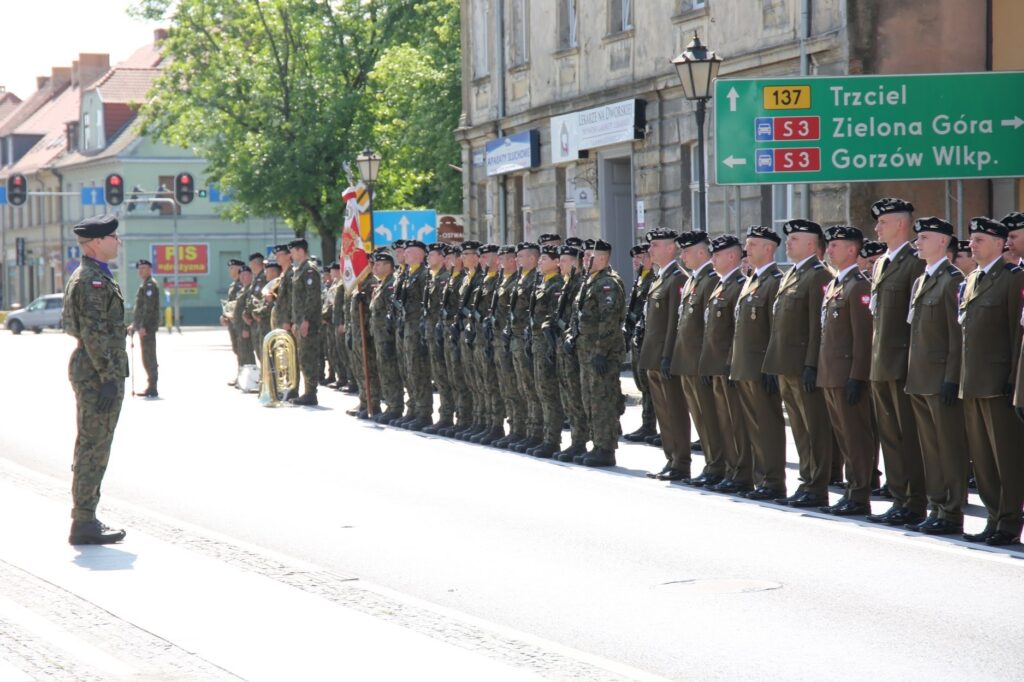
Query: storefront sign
x,y
193,259
513,153
597,127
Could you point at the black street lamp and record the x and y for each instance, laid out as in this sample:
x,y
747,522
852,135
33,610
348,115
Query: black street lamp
x,y
368,163
698,67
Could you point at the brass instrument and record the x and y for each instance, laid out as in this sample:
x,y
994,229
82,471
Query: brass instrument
x,y
279,372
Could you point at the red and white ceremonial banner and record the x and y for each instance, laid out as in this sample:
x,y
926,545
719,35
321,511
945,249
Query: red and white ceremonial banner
x,y
356,242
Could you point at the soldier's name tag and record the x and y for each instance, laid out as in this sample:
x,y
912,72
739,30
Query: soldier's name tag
x,y
873,303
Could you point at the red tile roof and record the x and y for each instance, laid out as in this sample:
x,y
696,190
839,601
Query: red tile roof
x,y
125,85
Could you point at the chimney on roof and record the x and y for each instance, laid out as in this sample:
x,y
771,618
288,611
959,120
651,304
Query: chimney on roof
x,y
91,68
59,77
159,34
41,82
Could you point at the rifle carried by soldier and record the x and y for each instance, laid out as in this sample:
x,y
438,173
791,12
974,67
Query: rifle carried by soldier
x,y
506,333
630,325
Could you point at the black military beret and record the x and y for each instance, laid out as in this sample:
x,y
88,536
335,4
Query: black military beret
x,y
271,264
548,237
96,227
986,225
549,251
963,246
235,262
415,244
639,249
602,245
246,268
801,225
890,205
488,248
567,250
470,245
933,224
452,250
280,248
844,232
383,256
725,241
574,241
142,261
436,246
381,249
872,248
1014,220
299,244
762,232
589,244
687,239
527,246
399,244
506,250
335,266
255,256
660,233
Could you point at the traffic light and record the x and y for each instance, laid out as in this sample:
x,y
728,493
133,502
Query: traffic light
x,y
184,188
114,189
17,189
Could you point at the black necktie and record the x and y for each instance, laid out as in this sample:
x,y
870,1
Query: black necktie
x,y
885,264
981,275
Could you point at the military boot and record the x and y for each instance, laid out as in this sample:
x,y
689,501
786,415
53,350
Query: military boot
x,y
94,532
493,436
150,392
640,435
307,399
436,429
419,424
599,457
571,452
545,450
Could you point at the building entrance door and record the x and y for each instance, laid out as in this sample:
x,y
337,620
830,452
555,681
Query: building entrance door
x,y
615,188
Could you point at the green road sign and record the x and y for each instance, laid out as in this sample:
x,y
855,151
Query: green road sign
x,y
861,128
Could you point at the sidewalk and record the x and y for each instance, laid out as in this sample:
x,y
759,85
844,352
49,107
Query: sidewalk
x,y
150,608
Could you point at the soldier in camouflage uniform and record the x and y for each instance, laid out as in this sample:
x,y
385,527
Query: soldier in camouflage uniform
x,y
472,275
146,321
263,307
305,319
361,350
479,336
337,319
414,338
401,270
259,327
433,299
527,254
443,335
634,335
243,333
597,335
381,322
512,401
545,304
234,268
283,303
568,365
94,315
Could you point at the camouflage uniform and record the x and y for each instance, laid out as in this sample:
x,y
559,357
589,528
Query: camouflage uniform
x,y
339,317
234,289
243,335
569,365
305,307
414,338
466,405
545,302
94,314
602,310
452,349
382,329
522,354
401,272
283,302
358,340
515,409
479,335
260,323
147,316
435,291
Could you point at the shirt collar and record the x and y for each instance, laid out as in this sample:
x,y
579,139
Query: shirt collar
x,y
891,255
988,268
801,263
760,271
102,266
729,274
931,269
665,269
842,273
706,264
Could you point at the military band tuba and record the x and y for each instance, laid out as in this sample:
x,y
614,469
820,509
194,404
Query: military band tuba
x,y
279,375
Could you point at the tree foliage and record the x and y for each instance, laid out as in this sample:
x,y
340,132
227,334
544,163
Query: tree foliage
x,y
277,95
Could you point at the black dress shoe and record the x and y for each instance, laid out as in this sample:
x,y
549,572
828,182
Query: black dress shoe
x,y
94,532
918,525
805,499
731,487
896,516
656,441
667,468
837,484
763,493
984,535
941,527
674,475
848,508
882,491
706,480
1001,538
695,446
640,434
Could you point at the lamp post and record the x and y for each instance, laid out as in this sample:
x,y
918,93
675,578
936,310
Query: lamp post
x,y
698,67
369,163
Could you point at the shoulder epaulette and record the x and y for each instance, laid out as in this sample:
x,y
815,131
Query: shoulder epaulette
x,y
818,266
953,270
859,276
1013,267
777,274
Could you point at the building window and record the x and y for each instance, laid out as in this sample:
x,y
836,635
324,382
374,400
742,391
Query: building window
x,y
688,5
86,129
567,24
518,35
479,37
567,175
785,204
620,15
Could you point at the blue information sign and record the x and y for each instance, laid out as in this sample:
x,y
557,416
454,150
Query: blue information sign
x,y
391,225
3,196
93,196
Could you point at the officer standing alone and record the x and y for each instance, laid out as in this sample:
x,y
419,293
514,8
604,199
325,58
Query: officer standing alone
x,y
146,321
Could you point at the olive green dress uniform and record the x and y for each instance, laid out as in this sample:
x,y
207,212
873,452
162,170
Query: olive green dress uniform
x,y
234,289
414,341
602,310
845,354
339,317
569,366
260,322
436,287
934,359
243,334
894,416
642,286
305,307
452,347
661,326
363,354
794,346
514,407
521,356
545,373
762,411
715,361
381,330
990,315
686,354
147,316
466,378
490,406
283,300
94,315
330,351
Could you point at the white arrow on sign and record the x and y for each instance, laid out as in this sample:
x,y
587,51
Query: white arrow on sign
x,y
732,96
404,224
1015,122
731,161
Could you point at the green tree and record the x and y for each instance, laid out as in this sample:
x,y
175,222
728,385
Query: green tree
x,y
273,94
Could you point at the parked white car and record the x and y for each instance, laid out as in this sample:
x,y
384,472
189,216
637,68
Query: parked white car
x,y
42,313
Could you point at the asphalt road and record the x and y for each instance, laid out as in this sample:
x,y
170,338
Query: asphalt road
x,y
663,578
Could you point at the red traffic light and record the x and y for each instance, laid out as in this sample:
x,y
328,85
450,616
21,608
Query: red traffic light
x,y
17,180
184,189
114,189
115,180
186,179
